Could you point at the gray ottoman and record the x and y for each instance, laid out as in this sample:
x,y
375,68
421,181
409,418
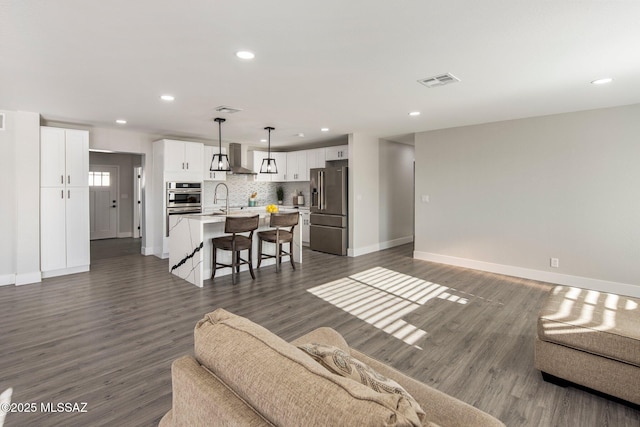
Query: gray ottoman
x,y
592,339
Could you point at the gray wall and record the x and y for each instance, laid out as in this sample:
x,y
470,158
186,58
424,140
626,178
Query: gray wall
x,y
126,163
508,196
396,193
364,193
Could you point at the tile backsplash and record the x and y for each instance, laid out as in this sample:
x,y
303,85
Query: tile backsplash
x,y
242,186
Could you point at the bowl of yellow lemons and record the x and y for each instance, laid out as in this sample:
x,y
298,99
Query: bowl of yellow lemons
x,y
272,208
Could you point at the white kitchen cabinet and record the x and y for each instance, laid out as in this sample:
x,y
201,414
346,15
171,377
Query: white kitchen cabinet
x,y
339,152
64,197
315,158
66,157
305,226
208,175
182,160
281,163
297,169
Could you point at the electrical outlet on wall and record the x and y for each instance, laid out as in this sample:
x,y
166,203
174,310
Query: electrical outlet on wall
x,y
555,262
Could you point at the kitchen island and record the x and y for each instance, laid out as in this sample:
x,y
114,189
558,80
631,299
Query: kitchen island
x,y
190,245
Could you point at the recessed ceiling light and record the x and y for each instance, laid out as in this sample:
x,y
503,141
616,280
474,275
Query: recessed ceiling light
x,y
301,135
167,97
121,121
263,140
245,54
602,81
324,129
414,113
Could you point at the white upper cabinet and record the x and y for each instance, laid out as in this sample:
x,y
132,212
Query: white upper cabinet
x,y
66,155
208,175
183,160
340,152
281,163
315,158
297,169
257,162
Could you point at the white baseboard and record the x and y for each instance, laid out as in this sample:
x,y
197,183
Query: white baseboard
x,y
27,278
65,271
146,251
379,246
396,242
527,273
125,234
7,279
362,251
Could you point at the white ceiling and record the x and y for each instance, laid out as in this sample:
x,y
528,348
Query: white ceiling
x,y
350,65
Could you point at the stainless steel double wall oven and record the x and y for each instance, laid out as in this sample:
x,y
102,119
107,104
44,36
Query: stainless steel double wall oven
x,y
183,198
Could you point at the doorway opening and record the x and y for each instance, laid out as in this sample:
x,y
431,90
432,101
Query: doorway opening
x,y
116,201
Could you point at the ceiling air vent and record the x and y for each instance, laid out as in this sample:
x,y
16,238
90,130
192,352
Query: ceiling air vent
x,y
441,80
227,110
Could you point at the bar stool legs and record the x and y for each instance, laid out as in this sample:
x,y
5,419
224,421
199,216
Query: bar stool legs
x,y
235,243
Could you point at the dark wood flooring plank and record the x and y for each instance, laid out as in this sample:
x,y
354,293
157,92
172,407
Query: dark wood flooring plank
x,y
108,337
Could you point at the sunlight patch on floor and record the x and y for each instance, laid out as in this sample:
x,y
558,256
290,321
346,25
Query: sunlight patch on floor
x,y
382,297
5,400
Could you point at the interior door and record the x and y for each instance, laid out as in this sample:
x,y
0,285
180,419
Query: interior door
x,y
103,201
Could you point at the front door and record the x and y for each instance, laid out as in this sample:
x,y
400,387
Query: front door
x,y
103,201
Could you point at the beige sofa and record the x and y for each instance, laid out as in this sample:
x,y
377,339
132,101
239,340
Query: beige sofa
x,y
592,339
243,375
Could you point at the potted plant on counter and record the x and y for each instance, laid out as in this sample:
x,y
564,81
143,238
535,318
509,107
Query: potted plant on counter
x,y
280,194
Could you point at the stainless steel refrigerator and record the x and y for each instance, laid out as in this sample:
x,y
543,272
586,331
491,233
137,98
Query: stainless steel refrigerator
x,y
328,220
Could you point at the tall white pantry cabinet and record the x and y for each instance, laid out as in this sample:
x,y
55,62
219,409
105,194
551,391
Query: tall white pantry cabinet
x,y
64,201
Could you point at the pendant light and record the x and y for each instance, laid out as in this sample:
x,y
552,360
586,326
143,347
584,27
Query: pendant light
x,y
220,162
269,164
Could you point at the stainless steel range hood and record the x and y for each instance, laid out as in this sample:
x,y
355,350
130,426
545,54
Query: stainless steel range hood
x,y
235,160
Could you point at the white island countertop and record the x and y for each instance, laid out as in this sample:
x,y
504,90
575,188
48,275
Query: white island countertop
x,y
190,249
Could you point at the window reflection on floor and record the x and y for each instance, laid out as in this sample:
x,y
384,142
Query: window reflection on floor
x,y
5,399
382,297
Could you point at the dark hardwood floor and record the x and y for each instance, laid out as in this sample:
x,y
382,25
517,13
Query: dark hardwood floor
x,y
108,337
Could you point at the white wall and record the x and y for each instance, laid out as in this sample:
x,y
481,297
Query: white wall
x,y
27,152
8,207
364,188
395,193
20,212
508,196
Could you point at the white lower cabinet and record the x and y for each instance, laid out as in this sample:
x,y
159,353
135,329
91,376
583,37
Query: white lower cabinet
x,y
64,230
305,227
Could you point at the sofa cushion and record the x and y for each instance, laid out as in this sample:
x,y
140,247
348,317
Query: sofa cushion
x,y
284,384
341,363
596,322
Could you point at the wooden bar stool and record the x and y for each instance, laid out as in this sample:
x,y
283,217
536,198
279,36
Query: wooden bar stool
x,y
278,236
235,243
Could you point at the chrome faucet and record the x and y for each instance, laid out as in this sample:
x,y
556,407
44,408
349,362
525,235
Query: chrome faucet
x,y
215,196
